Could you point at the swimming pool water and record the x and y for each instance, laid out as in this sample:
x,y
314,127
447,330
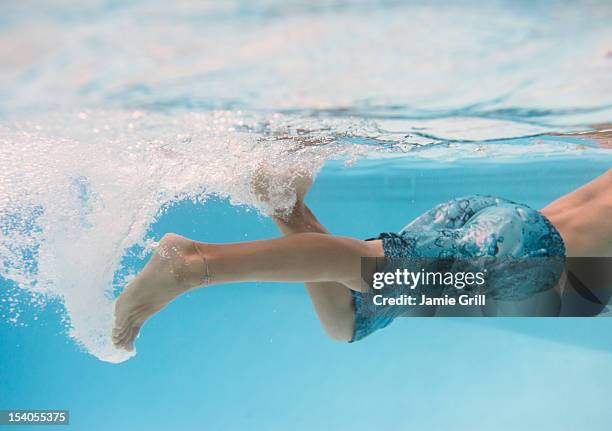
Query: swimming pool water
x,y
121,121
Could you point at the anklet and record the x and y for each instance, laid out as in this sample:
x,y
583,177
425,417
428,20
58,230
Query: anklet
x,y
206,277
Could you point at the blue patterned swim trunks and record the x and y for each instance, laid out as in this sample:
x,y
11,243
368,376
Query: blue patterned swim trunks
x,y
473,227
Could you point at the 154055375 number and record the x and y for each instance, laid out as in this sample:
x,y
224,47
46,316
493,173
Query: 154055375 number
x,y
31,417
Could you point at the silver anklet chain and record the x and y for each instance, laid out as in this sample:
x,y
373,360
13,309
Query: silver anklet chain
x,y
206,277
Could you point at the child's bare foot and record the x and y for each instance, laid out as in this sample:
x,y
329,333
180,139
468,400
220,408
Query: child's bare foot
x,y
297,219
175,267
276,188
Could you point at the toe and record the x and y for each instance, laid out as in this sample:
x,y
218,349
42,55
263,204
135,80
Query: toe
x,y
124,338
120,331
128,344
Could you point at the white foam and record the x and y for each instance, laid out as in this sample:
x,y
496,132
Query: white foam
x,y
80,189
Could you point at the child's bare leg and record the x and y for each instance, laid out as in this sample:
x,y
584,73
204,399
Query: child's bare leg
x,y
302,257
332,301
180,264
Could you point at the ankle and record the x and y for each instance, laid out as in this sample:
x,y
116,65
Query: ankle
x,y
301,221
205,255
185,259
298,213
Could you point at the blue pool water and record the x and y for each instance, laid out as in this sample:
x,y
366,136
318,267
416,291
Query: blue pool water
x,y
121,121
